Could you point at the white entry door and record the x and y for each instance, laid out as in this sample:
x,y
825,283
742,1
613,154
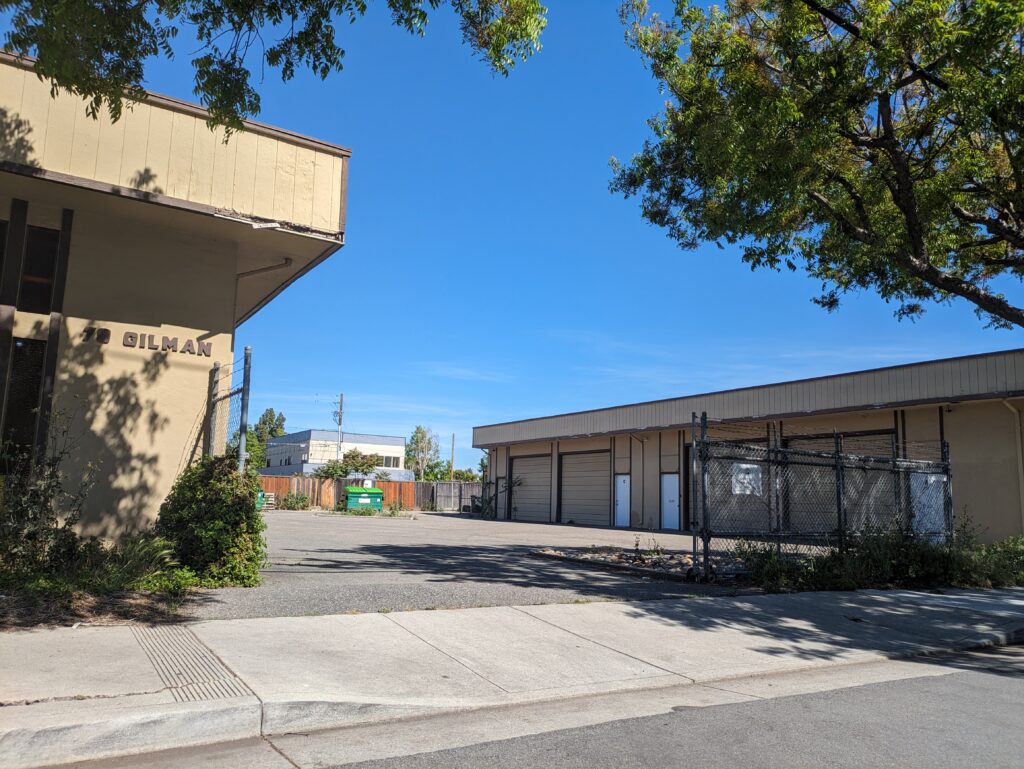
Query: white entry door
x,y
622,501
670,501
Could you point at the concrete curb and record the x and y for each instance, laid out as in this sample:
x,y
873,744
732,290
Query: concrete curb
x,y
109,729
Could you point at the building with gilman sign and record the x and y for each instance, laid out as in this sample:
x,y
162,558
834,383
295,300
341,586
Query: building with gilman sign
x,y
131,252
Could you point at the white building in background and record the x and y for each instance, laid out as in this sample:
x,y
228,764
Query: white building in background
x,y
305,451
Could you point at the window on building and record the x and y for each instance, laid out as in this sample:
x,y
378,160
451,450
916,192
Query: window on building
x,y
21,408
36,291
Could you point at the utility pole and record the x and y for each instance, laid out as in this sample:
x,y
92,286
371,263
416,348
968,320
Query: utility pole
x,y
451,467
341,413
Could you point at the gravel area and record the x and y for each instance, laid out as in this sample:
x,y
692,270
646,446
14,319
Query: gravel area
x,y
339,564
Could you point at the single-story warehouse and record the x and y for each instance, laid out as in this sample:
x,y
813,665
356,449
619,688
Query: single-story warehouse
x,y
130,252
630,465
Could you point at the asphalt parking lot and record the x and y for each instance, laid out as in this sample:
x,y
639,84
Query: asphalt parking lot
x,y
328,564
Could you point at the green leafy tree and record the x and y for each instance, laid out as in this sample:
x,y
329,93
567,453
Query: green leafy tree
x,y
437,470
269,425
877,145
421,451
353,461
466,475
484,463
100,50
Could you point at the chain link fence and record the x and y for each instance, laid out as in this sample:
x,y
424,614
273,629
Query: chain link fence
x,y
220,427
811,494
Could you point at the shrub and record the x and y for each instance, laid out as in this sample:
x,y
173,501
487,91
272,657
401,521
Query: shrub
x,y
877,559
211,517
38,513
173,584
293,501
769,569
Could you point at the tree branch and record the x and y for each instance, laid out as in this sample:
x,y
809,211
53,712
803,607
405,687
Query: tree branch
x,y
994,225
849,229
921,73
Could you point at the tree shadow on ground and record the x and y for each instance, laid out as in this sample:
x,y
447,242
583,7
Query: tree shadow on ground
x,y
809,627
514,565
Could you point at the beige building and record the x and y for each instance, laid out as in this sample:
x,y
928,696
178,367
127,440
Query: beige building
x,y
630,465
131,252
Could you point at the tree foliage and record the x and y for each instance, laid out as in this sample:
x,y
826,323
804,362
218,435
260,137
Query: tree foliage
x,y
441,470
269,425
421,450
100,50
352,461
878,145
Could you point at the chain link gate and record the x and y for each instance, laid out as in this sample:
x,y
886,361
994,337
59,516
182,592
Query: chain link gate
x,y
811,499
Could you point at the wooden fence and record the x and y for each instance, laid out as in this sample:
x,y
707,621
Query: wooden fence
x,y
409,495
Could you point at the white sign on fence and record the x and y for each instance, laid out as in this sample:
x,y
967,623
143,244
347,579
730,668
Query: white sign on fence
x,y
746,479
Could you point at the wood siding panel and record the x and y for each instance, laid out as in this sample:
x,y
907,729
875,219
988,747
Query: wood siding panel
x,y
158,148
85,146
60,134
179,170
135,143
284,182
204,164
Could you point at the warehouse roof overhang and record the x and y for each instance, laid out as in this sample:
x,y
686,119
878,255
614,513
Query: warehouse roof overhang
x,y
278,197
973,377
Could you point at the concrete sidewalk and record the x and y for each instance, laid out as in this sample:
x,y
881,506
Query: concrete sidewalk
x,y
91,692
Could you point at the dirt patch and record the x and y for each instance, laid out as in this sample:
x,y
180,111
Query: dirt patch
x,y
654,562
21,610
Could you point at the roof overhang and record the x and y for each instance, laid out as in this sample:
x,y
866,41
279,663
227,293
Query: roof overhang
x,y
974,377
279,196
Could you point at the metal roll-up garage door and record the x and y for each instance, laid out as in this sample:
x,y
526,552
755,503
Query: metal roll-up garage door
x,y
586,489
532,499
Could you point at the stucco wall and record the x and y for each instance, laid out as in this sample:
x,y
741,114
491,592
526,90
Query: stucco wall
x,y
134,413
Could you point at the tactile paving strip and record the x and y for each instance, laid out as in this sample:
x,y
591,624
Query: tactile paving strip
x,y
188,669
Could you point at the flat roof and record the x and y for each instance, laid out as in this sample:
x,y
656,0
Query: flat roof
x,y
332,436
968,377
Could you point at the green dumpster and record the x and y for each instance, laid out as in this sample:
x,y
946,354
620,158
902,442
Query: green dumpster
x,y
360,498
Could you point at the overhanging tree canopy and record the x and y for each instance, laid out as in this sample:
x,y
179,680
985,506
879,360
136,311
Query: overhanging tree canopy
x,y
99,48
876,144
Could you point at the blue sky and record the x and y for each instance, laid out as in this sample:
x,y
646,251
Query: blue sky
x,y
502,279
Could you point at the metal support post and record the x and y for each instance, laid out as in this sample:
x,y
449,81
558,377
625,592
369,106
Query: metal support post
x,y
840,511
706,526
243,422
211,410
947,492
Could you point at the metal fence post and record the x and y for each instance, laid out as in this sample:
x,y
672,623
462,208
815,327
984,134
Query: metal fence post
x,y
211,409
692,512
775,475
706,527
947,492
243,422
897,490
840,511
